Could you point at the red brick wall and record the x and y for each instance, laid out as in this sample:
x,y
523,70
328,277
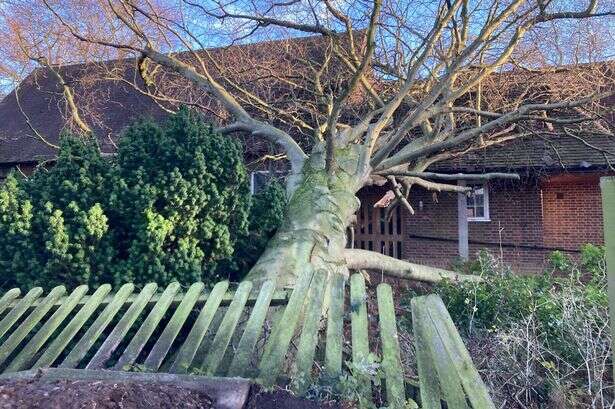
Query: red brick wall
x,y
515,218
572,211
528,220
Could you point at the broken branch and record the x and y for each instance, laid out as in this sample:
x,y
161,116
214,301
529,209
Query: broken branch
x,y
369,260
456,176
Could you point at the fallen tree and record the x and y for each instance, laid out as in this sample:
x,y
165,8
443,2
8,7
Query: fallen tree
x,y
416,85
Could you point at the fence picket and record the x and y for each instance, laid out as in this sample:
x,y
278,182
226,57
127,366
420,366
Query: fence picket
x,y
8,298
458,355
57,346
277,344
27,353
147,328
391,359
359,329
252,331
30,322
335,326
117,334
226,329
309,333
92,334
18,310
186,353
428,379
163,344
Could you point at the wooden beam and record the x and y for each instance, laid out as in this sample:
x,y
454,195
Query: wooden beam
x,y
280,297
462,224
607,185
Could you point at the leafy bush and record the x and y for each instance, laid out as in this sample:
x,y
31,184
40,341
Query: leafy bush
x,y
559,357
181,200
170,207
505,298
266,215
593,259
538,340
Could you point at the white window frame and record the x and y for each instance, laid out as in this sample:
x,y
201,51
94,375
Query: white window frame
x,y
278,174
253,182
485,217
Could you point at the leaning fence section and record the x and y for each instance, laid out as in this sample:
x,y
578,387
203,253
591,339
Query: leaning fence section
x,y
319,330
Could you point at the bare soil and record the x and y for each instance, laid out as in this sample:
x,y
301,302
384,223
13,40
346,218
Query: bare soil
x,y
66,394
281,399
70,394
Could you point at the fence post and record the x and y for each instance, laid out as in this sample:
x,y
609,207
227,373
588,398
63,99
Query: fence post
x,y
607,185
462,224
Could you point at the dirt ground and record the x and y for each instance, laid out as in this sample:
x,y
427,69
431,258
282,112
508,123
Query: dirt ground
x,y
280,399
97,394
37,394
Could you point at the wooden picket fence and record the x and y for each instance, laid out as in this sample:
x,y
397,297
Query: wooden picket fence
x,y
228,333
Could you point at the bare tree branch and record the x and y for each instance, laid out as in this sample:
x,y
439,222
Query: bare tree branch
x,y
456,176
369,260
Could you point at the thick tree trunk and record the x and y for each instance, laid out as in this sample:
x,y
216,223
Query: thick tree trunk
x,y
313,235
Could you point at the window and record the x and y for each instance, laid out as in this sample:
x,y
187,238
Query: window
x,y
477,203
260,178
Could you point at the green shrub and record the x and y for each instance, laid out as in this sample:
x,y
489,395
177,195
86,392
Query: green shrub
x,y
560,261
170,207
266,215
181,201
54,227
538,338
505,298
593,259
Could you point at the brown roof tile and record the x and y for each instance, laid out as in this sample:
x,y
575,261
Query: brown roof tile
x,y
537,154
109,105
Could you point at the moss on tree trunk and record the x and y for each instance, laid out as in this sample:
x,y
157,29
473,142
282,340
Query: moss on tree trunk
x,y
313,234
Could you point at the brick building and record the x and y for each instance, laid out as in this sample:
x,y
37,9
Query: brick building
x,y
555,205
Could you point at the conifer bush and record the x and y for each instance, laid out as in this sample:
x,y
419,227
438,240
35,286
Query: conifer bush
x,y
266,215
170,206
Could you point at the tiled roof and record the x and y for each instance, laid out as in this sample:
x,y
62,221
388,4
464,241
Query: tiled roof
x,y
537,154
109,105
112,105
40,98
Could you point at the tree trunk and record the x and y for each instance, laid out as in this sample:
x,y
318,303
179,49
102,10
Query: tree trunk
x,y
313,234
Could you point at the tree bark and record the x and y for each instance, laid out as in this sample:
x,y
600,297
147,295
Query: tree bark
x,y
357,259
313,234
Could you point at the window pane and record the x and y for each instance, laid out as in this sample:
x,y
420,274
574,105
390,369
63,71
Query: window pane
x,y
260,181
480,212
